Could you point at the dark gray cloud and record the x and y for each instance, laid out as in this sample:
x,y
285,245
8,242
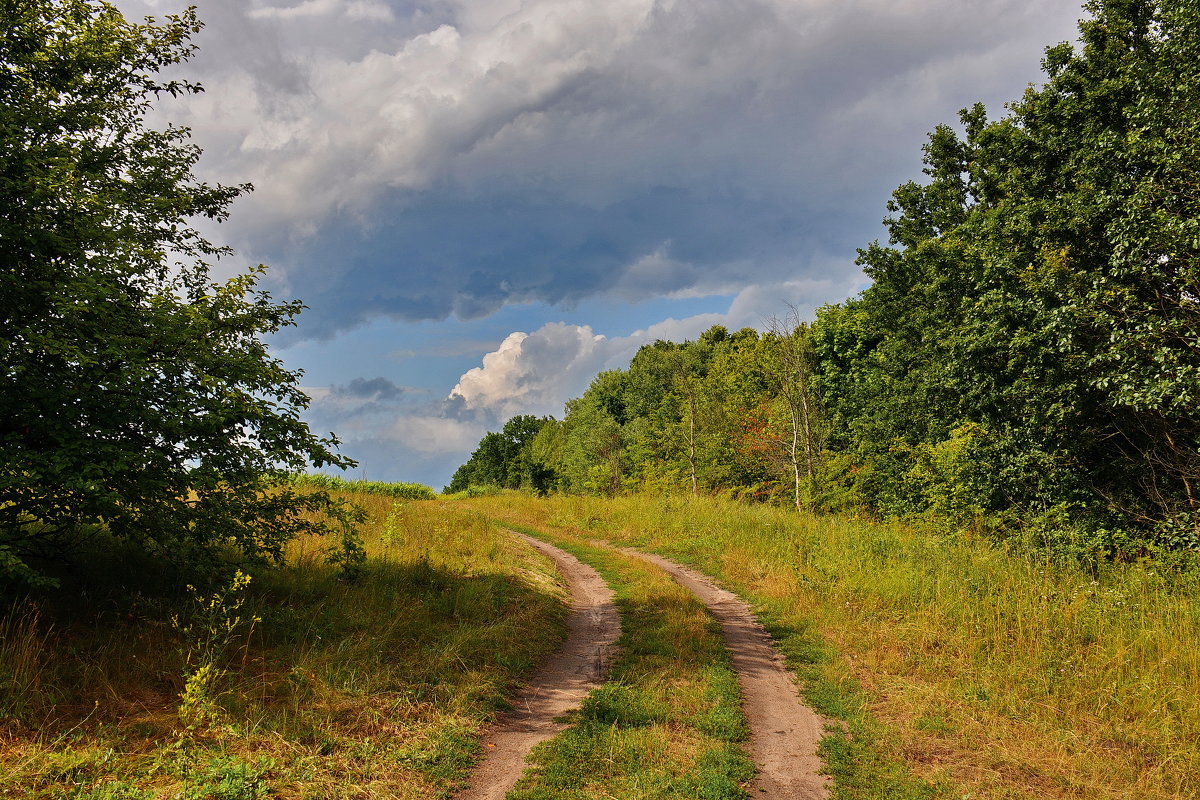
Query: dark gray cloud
x,y
448,252
370,389
416,161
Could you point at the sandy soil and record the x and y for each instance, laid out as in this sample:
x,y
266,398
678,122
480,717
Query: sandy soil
x,y
783,731
558,686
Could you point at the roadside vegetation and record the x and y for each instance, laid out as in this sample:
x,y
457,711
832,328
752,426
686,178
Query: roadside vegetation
x,y
969,495
962,669
138,400
667,723
288,682
1023,364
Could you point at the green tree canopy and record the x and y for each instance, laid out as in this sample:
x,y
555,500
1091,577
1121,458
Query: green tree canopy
x,y
135,393
1043,289
504,460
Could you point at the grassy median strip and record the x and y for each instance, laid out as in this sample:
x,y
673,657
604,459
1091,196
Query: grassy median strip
x,y
668,722
295,684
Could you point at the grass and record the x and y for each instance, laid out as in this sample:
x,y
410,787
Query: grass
x,y
961,670
667,723
314,687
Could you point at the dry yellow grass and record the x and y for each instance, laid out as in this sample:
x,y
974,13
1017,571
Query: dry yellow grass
x,y
323,688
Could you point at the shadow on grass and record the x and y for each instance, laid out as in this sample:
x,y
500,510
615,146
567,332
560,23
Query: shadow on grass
x,y
110,647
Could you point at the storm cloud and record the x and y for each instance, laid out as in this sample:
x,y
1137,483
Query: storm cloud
x,y
520,193
418,161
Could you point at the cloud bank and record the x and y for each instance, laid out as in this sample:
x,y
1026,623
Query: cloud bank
x,y
417,161
476,159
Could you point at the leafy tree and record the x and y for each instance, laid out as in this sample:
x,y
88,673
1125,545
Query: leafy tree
x,y
1042,288
505,459
789,367
135,393
593,455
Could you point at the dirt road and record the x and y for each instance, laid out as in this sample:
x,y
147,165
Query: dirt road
x,y
558,686
783,731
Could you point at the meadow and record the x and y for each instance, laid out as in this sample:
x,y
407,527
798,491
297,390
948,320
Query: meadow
x,y
949,667
960,668
289,682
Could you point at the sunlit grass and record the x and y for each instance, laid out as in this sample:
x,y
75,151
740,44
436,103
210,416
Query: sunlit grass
x,y
994,673
372,688
667,723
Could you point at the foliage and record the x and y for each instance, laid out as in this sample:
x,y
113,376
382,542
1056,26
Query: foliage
x,y
335,483
1043,288
696,416
503,460
136,393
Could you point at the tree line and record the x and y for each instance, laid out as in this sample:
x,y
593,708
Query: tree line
x,y
1027,356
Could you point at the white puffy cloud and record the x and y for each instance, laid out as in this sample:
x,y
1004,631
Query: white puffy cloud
x,y
533,373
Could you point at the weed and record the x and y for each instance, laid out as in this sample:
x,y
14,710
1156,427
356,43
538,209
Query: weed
x,y
208,630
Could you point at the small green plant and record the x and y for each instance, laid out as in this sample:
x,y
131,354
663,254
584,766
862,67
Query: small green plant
x,y
228,778
391,526
208,631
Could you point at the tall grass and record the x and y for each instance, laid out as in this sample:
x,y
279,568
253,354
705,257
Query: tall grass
x,y
317,688
22,657
1000,673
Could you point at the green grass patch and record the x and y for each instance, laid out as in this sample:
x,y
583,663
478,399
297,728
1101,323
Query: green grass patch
x,y
958,667
667,723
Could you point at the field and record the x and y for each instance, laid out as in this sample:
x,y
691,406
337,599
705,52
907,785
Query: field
x,y
297,685
960,669
949,668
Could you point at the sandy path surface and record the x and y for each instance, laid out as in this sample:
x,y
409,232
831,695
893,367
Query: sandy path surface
x,y
783,731
558,686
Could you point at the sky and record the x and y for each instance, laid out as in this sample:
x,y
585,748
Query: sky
x,y
484,203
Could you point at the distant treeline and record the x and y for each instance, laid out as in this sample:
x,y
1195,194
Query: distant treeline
x,y
333,483
1027,357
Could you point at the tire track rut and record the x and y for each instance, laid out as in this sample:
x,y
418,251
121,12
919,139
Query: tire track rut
x,y
558,686
784,732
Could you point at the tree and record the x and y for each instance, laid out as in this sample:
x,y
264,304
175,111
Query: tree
x,y
790,376
1040,293
135,393
505,460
